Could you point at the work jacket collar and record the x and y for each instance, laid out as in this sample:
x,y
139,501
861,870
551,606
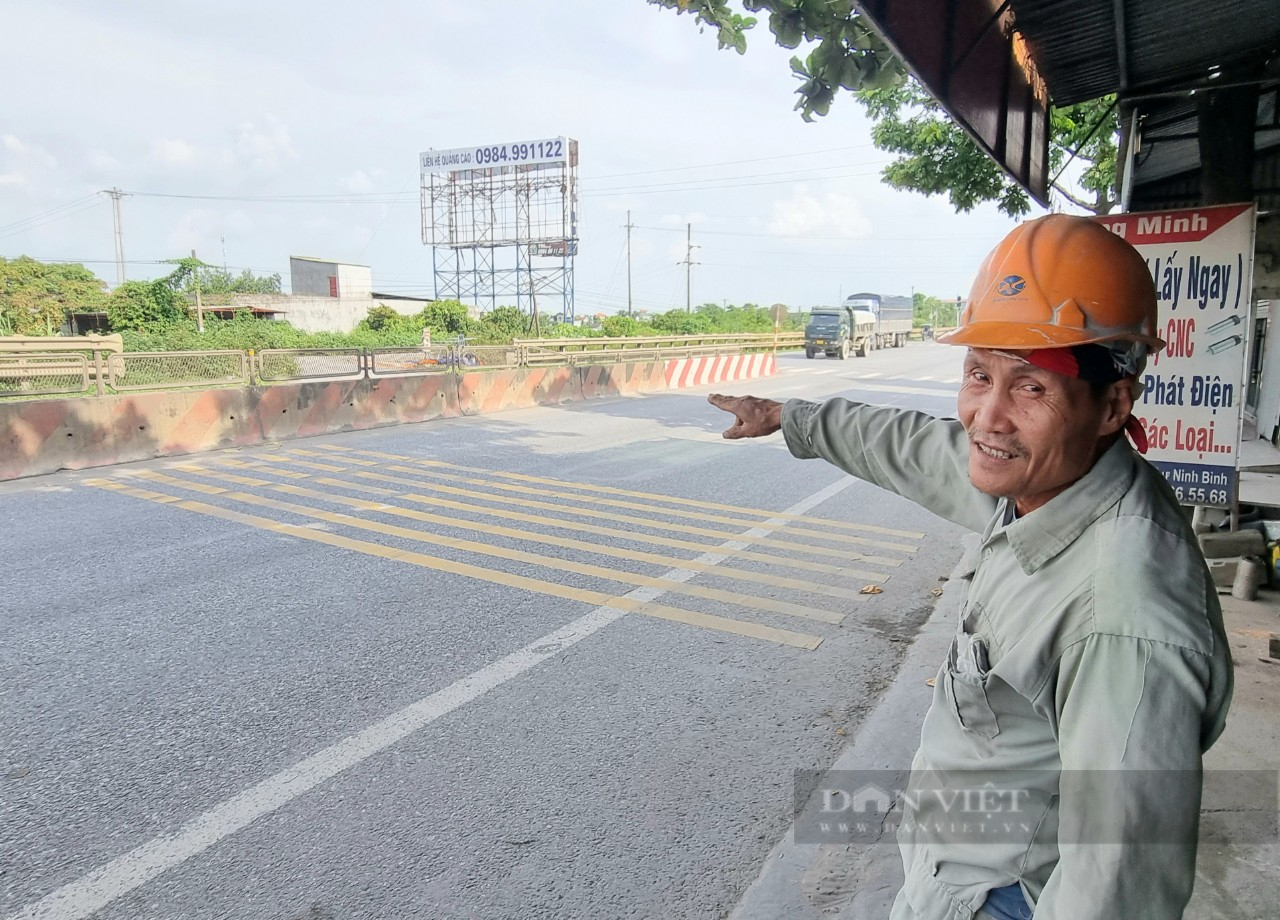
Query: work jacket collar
x,y
1051,528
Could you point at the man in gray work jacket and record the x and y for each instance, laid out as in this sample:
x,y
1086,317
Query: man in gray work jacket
x,y
1090,669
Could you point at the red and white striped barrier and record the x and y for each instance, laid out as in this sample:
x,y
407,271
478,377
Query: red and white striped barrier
x,y
696,372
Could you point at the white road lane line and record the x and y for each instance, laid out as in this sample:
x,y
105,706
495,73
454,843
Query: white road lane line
x,y
95,890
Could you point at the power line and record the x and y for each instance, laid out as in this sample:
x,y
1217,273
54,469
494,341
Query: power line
x,y
712,188
34,222
781,156
390,198
697,182
790,236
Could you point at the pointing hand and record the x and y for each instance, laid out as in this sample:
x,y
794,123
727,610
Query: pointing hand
x,y
755,417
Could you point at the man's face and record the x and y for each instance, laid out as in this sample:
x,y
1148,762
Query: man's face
x,y
1032,432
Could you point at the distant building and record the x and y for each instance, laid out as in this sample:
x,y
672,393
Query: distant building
x,y
323,278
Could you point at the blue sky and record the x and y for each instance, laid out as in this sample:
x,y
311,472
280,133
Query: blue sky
x,y
242,100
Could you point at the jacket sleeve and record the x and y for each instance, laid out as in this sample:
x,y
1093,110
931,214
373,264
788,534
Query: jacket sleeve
x,y
916,455
1129,734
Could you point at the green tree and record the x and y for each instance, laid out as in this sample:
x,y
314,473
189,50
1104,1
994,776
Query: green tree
x,y
680,322
935,156
927,309
506,323
35,296
381,317
138,305
217,282
446,317
623,326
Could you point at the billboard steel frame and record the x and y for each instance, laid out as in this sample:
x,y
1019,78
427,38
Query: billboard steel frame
x,y
502,222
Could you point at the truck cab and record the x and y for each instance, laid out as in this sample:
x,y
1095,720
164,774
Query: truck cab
x,y
828,332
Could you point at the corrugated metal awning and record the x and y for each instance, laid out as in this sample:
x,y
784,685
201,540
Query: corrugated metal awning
x,y
1091,48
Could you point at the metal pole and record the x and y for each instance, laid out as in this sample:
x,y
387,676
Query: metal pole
x,y
688,268
630,311
195,274
116,195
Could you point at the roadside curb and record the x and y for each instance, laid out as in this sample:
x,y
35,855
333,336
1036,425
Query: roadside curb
x,y
810,881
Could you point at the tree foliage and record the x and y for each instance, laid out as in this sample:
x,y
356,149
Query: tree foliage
x,y
935,155
136,306
35,296
216,282
846,52
930,310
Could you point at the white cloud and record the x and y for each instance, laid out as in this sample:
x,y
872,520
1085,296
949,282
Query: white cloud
x,y
361,181
265,148
174,152
12,179
806,214
192,229
32,154
101,161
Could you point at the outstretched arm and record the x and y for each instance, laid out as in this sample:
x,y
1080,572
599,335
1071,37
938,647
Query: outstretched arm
x,y
916,455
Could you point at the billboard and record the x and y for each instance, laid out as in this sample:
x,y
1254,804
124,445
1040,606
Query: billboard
x,y
554,248
1193,391
518,153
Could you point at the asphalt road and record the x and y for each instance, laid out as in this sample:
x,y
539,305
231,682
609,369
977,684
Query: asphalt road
x,y
551,663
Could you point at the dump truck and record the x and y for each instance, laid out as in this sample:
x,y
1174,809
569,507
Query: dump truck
x,y
863,323
892,319
835,331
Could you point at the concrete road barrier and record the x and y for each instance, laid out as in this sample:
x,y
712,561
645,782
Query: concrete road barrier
x,y
45,435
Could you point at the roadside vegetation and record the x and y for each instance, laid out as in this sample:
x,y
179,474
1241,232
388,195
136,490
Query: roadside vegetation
x,y
36,299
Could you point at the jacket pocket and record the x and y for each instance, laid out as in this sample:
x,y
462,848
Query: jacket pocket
x,y
967,692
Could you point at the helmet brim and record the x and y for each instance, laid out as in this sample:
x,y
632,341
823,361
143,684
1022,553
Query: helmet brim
x,y
1031,336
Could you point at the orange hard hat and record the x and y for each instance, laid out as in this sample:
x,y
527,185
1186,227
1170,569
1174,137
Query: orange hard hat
x,y
1059,281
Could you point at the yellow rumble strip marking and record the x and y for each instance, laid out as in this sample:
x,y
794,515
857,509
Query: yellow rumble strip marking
x,y
534,585
770,605
526,536
610,490
797,546
241,465
838,571
276,458
434,468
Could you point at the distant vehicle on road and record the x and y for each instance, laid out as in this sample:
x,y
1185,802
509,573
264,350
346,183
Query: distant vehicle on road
x,y
863,323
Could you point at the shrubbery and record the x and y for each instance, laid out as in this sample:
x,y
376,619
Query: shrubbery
x,y
157,315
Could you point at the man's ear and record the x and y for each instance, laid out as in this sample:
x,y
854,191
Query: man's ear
x,y
1117,406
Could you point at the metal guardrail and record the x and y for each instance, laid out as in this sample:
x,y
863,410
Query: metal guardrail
x,y
750,341
397,362
159,370
25,375
73,373
280,365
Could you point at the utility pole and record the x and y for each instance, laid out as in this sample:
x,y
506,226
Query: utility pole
x,y
116,195
195,274
688,264
630,312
